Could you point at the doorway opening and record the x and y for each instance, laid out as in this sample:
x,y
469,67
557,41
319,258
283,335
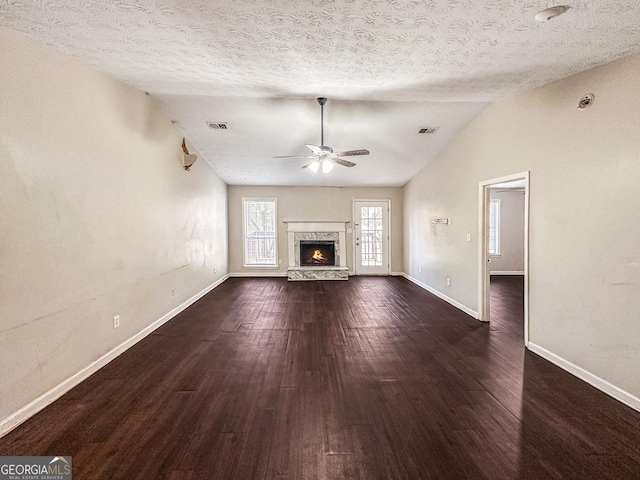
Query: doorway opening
x,y
492,246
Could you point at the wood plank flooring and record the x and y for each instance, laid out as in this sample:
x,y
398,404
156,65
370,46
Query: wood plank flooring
x,y
373,378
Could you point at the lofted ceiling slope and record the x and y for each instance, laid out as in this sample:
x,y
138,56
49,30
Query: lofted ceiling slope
x,y
388,67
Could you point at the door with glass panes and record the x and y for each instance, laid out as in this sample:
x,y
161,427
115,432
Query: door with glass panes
x,y
371,236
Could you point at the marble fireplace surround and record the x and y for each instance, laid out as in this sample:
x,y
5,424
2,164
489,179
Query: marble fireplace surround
x,y
318,230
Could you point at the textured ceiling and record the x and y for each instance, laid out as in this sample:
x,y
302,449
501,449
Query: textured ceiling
x,y
388,67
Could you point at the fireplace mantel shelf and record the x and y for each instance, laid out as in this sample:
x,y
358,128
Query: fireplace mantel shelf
x,y
316,221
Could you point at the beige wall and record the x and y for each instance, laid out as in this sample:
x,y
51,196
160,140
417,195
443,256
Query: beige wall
x,y
584,227
310,204
97,218
511,258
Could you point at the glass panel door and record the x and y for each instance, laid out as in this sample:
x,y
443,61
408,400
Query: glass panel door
x,y
372,237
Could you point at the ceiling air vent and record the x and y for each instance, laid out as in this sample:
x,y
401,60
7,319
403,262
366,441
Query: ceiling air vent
x,y
217,125
428,130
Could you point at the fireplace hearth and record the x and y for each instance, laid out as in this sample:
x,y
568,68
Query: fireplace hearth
x,y
317,253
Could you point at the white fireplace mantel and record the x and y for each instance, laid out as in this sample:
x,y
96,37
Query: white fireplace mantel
x,y
317,226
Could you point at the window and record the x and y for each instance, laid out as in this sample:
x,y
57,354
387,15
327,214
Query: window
x,y
259,224
494,227
371,233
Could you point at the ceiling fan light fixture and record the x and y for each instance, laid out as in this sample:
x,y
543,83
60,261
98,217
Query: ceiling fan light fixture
x,y
327,165
314,166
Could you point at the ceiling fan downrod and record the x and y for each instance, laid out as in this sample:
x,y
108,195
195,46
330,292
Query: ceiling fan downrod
x,y
322,101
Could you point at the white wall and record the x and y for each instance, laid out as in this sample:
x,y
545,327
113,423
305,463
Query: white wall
x,y
310,204
584,224
97,218
511,258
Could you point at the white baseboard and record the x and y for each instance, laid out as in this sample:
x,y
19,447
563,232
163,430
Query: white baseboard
x,y
441,295
597,382
397,274
498,272
15,419
265,274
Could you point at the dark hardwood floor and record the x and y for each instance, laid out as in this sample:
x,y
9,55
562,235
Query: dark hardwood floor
x,y
507,306
373,378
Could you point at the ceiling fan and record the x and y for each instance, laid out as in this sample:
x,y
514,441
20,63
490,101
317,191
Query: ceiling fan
x,y
324,157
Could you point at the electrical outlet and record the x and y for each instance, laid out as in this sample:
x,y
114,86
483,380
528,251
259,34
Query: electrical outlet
x,y
215,270
419,269
279,261
173,292
468,237
448,282
116,321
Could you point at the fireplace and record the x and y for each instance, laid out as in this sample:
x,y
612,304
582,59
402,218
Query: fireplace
x,y
317,253
317,250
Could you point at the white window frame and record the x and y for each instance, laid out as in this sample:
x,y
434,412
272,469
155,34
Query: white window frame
x,y
494,225
245,260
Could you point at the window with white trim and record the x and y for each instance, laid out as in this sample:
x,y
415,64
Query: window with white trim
x,y
494,227
259,220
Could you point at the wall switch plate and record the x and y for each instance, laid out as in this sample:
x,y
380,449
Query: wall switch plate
x,y
448,282
116,321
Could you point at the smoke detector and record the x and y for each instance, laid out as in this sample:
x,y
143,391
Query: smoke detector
x,y
586,101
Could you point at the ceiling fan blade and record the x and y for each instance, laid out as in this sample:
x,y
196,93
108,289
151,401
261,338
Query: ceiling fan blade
x,y
352,153
315,149
344,163
295,156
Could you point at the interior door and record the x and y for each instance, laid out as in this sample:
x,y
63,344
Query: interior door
x,y
371,236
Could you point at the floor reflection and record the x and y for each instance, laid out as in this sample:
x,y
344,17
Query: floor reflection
x,y
566,428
